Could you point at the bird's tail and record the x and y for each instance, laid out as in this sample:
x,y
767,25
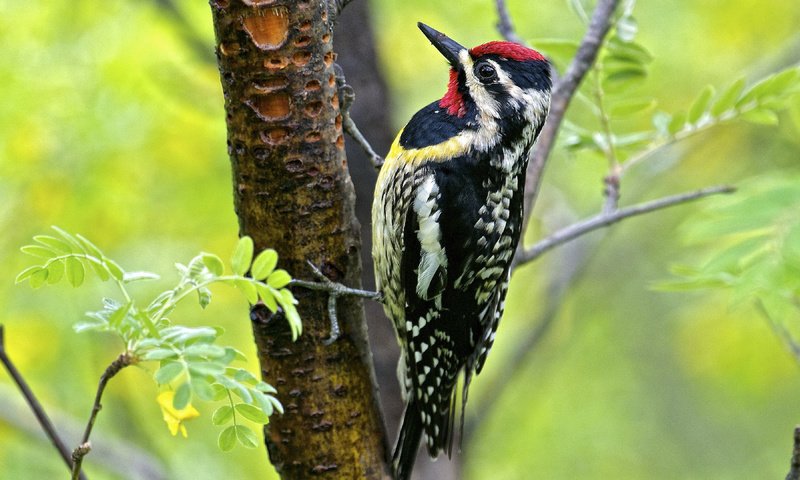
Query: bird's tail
x,y
405,450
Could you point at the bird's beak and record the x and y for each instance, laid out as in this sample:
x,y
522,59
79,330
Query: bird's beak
x,y
446,46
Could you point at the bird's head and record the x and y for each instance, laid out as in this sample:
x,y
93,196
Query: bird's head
x,y
495,80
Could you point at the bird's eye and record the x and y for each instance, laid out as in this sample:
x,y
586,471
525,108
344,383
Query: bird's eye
x,y
486,72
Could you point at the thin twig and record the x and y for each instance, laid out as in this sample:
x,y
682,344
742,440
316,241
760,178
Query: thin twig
x,y
190,34
124,359
605,219
34,404
334,291
794,468
504,24
562,93
346,98
350,127
336,7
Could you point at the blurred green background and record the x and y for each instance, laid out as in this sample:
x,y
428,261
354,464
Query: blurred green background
x,y
111,125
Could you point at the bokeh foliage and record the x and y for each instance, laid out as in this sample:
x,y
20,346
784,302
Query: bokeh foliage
x,y
111,125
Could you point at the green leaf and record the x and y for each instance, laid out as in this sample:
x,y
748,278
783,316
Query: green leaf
x,y
168,372
246,436
627,73
37,278
160,354
130,277
213,263
86,326
204,350
180,334
252,413
74,270
243,375
279,279
264,264
89,247
700,105
220,392
265,387
25,274
248,289
275,403
677,123
727,99
222,415
183,395
630,51
115,270
232,354
263,402
203,296
629,107
227,439
760,116
55,272
777,84
242,256
69,238
236,388
288,302
115,319
39,251
211,369
202,388
99,268
54,243
267,295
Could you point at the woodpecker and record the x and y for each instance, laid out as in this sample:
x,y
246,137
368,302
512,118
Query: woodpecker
x,y
446,217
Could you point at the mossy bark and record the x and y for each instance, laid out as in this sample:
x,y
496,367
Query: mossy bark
x,y
292,192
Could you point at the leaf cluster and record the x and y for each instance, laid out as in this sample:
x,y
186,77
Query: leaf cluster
x,y
610,93
756,249
189,360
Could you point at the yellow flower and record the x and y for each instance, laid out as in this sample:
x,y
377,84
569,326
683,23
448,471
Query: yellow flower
x,y
173,417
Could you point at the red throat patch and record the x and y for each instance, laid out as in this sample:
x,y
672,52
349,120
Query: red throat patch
x,y
509,50
452,100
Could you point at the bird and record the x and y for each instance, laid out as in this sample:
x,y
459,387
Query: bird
x,y
446,220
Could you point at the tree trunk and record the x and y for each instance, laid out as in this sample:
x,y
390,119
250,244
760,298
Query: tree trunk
x,y
292,192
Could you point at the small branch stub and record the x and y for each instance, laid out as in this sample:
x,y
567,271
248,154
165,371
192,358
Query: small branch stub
x,y
794,468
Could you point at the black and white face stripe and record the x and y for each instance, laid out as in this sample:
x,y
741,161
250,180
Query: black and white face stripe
x,y
501,88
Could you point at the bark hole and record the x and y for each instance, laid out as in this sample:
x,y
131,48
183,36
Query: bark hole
x,y
274,106
269,28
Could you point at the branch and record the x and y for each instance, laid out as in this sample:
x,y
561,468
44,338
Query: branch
x,y
337,6
605,219
504,24
194,40
34,404
85,446
350,127
794,469
346,98
562,94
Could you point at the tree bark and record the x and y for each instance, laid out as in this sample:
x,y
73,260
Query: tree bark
x,y
292,192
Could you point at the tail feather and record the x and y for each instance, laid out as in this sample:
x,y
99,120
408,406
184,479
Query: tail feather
x,y
405,451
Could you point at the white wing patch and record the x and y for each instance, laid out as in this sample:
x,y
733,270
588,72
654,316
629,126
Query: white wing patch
x,y
432,258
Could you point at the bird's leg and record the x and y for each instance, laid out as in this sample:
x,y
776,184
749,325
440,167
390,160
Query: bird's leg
x,y
334,291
